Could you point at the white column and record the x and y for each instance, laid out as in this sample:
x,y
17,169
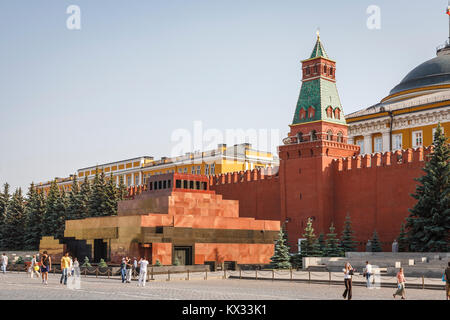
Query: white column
x,y
386,141
140,178
368,143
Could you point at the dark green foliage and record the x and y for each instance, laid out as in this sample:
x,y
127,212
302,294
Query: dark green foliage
x,y
75,205
333,246
122,191
4,201
376,245
321,243
35,211
402,240
281,257
310,247
111,197
99,197
61,206
428,224
157,263
84,195
51,216
19,260
14,226
348,243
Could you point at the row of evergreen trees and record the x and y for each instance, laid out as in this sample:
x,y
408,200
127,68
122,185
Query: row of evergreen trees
x,y
24,220
321,246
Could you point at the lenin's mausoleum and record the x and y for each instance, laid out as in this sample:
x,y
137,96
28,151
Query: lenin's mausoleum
x,y
235,216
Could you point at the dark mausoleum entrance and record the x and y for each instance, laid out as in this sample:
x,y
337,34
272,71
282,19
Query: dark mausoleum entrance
x,y
183,254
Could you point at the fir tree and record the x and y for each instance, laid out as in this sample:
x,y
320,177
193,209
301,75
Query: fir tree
x,y
50,219
310,246
348,243
321,244
428,224
111,197
376,245
402,240
15,222
61,207
84,196
333,246
97,201
281,257
122,190
4,202
74,202
35,210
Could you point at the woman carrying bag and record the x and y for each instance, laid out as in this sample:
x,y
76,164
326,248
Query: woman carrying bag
x,y
400,285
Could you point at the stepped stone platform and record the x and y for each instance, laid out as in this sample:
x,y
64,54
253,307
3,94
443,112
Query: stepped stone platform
x,y
416,264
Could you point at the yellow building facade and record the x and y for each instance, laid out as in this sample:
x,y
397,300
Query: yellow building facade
x,y
408,116
135,171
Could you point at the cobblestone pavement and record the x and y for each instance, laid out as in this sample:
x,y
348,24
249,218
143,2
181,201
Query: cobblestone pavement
x,y
20,286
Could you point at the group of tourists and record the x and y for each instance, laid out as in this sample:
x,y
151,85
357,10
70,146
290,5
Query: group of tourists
x,y
127,267
401,281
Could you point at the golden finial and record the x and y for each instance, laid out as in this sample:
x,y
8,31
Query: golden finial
x,y
318,34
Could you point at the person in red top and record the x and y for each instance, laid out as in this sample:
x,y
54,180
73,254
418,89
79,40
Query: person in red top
x,y
401,285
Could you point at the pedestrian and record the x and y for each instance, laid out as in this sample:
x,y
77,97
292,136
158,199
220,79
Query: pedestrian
x,y
34,267
348,272
123,269
65,267
46,267
129,267
368,274
143,263
447,280
76,267
135,265
70,266
4,262
400,285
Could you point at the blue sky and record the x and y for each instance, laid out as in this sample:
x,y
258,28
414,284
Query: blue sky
x,y
138,70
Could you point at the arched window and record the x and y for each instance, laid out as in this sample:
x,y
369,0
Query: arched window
x,y
316,70
325,69
330,112
337,113
302,114
311,112
329,135
299,137
340,137
331,71
308,71
313,135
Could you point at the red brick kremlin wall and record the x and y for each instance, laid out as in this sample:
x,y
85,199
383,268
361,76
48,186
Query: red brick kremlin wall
x,y
374,189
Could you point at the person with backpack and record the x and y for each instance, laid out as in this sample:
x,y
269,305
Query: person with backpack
x,y
348,272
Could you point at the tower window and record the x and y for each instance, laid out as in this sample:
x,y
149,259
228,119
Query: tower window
x,y
340,137
324,69
337,113
331,71
302,114
316,70
313,135
311,112
308,71
329,135
329,112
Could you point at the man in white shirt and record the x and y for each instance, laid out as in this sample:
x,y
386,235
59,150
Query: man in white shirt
x,y
4,262
368,272
143,263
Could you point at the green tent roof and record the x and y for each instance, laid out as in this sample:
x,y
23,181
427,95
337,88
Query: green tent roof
x,y
319,50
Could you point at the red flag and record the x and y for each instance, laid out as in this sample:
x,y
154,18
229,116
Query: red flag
x,y
448,10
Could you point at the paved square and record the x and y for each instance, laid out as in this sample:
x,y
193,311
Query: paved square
x,y
20,286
